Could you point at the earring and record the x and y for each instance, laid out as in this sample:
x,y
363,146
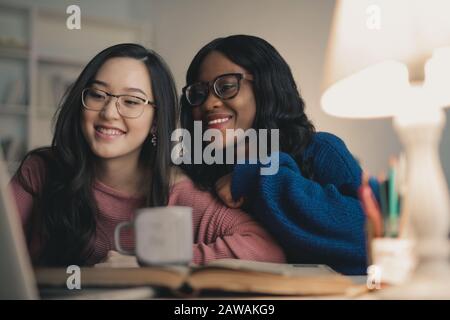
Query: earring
x,y
153,133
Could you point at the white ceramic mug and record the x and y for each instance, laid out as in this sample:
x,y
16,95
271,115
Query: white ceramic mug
x,y
163,235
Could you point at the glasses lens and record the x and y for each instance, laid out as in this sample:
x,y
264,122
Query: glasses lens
x,y
196,94
130,106
94,99
227,86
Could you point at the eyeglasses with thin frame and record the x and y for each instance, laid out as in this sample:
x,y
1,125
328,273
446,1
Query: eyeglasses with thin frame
x,y
128,106
225,86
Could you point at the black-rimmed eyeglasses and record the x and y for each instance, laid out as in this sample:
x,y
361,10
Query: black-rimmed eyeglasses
x,y
225,86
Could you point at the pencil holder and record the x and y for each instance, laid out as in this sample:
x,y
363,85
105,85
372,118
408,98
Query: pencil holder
x,y
394,258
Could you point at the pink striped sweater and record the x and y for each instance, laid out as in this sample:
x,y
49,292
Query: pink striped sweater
x,y
219,232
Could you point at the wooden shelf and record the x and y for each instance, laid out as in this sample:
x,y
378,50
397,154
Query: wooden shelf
x,y
47,57
14,52
14,110
61,61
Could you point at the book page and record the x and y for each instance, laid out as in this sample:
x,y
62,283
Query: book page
x,y
273,268
240,276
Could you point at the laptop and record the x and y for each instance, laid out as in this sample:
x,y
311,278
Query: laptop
x,y
16,272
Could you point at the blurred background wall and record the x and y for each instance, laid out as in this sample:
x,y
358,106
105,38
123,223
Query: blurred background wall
x,y
299,29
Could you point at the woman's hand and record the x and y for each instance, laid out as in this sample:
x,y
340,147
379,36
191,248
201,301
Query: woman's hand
x,y
223,190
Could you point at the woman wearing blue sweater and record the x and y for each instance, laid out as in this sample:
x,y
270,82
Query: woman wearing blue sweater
x,y
310,204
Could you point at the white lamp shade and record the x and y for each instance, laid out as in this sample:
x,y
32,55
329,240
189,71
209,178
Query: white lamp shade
x,y
376,46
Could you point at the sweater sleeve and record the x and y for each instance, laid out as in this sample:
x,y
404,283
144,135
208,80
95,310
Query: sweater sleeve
x,y
240,237
221,232
33,174
314,222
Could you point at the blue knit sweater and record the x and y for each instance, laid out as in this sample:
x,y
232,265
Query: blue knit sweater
x,y
315,221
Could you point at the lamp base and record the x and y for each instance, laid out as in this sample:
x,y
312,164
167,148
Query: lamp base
x,y
426,210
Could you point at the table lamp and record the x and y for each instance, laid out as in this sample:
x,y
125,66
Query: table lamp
x,y
391,58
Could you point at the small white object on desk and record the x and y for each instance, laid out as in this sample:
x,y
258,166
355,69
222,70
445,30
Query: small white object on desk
x,y
395,259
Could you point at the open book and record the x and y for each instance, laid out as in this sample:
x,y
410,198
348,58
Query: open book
x,y
224,275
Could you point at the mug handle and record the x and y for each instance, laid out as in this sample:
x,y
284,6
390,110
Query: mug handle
x,y
117,231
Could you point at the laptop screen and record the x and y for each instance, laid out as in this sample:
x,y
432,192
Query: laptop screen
x,y
16,274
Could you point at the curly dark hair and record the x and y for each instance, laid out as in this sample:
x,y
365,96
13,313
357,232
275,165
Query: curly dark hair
x,y
278,101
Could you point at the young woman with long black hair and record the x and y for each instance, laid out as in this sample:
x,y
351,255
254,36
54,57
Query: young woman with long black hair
x,y
110,155
310,205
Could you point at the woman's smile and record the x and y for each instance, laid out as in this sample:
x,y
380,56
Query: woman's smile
x,y
108,133
218,120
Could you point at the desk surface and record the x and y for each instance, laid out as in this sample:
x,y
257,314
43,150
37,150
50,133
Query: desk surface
x,y
139,293
135,293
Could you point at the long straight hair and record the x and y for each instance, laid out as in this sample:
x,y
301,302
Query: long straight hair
x,y
279,104
66,205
